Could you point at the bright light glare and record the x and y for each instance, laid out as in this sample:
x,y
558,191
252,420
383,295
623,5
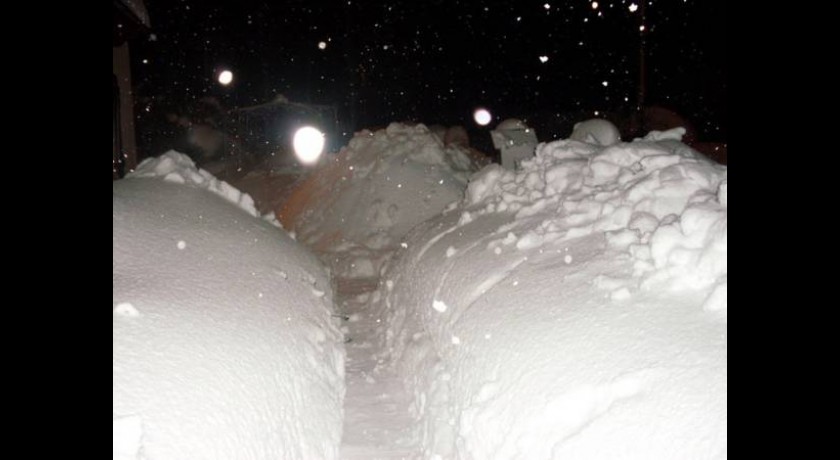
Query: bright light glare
x,y
309,144
482,117
225,77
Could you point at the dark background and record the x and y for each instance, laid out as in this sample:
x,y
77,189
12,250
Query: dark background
x,y
435,61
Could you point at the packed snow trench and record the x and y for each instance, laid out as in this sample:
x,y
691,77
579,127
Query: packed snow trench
x,y
574,308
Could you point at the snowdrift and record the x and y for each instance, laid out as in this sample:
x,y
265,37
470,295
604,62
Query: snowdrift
x,y
573,309
224,344
373,192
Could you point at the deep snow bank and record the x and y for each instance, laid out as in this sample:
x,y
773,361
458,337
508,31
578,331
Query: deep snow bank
x,y
224,344
377,188
574,309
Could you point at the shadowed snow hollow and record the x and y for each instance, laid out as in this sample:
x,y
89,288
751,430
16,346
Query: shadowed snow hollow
x,y
224,344
573,309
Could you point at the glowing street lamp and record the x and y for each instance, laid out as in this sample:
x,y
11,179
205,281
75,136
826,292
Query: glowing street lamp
x,y
482,116
308,143
225,77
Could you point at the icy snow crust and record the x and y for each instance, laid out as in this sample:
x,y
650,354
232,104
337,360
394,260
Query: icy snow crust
x,y
224,344
391,180
573,309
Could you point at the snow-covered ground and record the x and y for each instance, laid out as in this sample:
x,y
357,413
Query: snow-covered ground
x,y
225,344
373,192
573,309
354,212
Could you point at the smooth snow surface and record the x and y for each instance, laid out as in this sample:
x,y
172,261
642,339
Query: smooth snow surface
x,y
225,343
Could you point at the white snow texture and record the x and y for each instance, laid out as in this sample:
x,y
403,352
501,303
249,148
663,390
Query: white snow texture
x,y
222,348
573,309
396,178
585,313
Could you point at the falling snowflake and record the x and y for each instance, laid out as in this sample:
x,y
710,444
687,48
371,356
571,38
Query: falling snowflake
x,y
439,306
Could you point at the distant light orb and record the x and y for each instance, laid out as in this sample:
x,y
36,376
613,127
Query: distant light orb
x,y
225,77
322,45
308,144
482,116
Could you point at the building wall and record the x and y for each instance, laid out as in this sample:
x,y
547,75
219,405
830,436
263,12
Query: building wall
x,y
122,69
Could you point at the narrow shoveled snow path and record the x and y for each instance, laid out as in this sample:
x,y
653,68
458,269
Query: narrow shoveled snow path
x,y
377,424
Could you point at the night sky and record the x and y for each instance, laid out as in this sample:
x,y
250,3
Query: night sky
x,y
435,61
